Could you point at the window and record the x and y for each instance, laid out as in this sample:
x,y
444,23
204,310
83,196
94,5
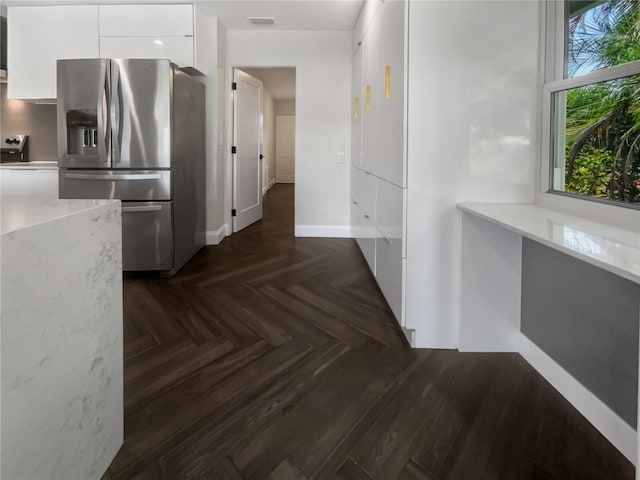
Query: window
x,y
593,89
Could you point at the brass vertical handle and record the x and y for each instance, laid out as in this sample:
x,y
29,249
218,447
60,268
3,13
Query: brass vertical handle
x,y
356,107
367,98
387,82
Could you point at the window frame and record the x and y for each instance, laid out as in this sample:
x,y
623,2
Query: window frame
x,y
554,32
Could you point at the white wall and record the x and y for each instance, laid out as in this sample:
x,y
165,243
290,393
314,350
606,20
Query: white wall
x,y
472,136
323,90
210,52
285,107
269,136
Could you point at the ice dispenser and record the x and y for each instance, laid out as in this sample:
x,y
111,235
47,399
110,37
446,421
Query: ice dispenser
x,y
82,132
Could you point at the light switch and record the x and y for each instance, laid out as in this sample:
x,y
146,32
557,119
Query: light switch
x,y
340,157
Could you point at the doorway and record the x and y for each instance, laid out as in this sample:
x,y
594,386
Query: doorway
x,y
285,148
278,97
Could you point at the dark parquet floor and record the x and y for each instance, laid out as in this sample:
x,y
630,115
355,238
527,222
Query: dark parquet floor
x,y
274,357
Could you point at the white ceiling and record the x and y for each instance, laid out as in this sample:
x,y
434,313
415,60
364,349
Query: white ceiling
x,y
289,14
281,82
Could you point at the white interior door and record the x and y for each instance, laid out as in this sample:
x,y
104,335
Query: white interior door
x,y
247,140
285,148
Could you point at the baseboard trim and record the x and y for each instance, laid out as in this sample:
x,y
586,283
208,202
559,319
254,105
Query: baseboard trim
x,y
214,238
410,333
324,231
614,428
268,186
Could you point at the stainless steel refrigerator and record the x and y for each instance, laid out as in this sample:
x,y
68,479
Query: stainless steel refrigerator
x,y
134,130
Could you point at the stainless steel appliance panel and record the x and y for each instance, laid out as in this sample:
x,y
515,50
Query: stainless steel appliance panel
x,y
137,185
188,167
141,113
147,236
84,131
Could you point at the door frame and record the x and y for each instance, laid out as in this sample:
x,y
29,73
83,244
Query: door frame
x,y
234,129
225,81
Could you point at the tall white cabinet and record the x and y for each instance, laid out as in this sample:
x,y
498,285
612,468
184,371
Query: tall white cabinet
x,y
459,124
378,176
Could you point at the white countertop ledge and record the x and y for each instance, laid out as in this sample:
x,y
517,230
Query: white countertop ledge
x,y
20,213
610,248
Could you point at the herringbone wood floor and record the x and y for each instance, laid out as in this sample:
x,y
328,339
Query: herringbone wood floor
x,y
271,357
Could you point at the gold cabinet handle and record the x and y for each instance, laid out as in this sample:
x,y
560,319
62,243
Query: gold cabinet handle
x,y
387,82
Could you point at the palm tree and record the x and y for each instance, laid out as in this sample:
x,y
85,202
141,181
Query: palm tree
x,y
606,116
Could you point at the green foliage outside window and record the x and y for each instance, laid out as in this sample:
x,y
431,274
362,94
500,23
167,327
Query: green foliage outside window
x,y
603,120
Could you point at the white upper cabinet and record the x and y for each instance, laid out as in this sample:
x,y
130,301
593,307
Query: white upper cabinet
x,y
37,37
148,31
178,49
146,20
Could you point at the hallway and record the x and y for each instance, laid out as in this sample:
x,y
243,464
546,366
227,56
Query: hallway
x,y
274,357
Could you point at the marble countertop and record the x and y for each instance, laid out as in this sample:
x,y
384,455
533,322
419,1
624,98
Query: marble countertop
x,y
61,382
40,165
19,213
610,248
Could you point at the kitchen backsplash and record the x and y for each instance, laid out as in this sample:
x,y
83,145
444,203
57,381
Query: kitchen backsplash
x,y
36,120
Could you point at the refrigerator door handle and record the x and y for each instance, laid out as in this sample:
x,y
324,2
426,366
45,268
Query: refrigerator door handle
x,y
103,119
116,113
142,208
109,178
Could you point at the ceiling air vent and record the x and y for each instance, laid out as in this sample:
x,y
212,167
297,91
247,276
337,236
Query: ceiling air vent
x,y
261,20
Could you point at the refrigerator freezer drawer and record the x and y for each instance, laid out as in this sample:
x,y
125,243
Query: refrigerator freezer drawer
x,y
135,185
147,236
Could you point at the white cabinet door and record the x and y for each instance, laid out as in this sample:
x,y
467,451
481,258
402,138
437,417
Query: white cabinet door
x,y
29,183
38,36
363,191
371,112
355,184
146,20
177,49
368,195
390,80
362,214
356,108
364,231
388,221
